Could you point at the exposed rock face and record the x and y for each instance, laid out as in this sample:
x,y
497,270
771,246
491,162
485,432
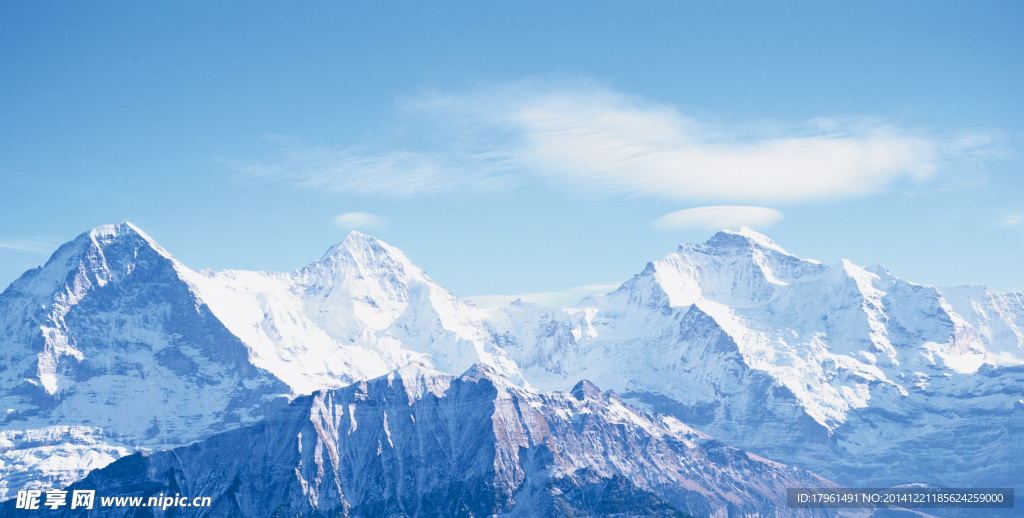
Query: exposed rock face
x,y
104,350
421,443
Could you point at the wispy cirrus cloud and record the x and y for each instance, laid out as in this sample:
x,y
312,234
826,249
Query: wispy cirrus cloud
x,y
596,141
361,171
718,218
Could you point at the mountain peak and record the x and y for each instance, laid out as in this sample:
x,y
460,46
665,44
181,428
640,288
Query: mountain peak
x,y
745,237
114,230
585,389
100,253
361,259
356,235
480,370
365,249
103,235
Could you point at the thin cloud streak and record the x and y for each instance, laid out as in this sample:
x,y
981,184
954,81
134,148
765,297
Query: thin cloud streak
x,y
1011,221
719,217
33,245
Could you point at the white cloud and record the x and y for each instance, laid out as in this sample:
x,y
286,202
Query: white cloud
x,y
561,298
1012,221
359,221
608,143
718,218
599,142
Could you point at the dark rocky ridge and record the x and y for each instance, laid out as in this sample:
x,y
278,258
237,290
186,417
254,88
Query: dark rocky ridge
x,y
425,444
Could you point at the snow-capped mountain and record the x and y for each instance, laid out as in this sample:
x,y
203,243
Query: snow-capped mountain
x,y
847,371
114,345
851,372
418,442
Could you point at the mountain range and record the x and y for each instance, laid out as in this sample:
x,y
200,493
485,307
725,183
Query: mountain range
x,y
114,347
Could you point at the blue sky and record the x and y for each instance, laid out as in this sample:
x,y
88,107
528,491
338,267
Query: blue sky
x,y
545,148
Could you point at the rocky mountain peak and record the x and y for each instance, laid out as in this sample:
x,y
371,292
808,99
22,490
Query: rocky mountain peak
x,y
585,390
94,258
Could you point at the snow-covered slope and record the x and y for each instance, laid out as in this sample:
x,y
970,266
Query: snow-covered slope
x,y
361,310
418,442
114,346
848,371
